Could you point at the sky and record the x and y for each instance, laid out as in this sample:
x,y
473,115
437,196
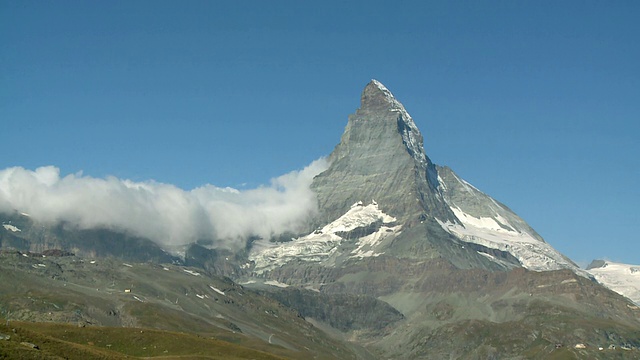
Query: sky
x,y
536,103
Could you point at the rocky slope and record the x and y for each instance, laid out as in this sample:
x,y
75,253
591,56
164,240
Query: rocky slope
x,y
21,232
380,157
90,292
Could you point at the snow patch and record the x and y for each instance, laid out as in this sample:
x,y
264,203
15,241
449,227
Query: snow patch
x,y
488,256
276,283
11,227
443,186
366,244
194,273
532,253
483,222
216,290
322,244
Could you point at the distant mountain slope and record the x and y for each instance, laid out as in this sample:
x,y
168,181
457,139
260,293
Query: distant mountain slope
x,y
621,278
21,232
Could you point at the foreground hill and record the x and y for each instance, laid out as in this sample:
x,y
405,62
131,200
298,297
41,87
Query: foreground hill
x,y
101,292
29,340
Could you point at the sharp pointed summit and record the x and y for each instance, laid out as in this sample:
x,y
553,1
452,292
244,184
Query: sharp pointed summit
x,y
380,157
371,99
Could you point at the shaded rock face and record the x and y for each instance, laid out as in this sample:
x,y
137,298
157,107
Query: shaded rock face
x,y
342,311
380,157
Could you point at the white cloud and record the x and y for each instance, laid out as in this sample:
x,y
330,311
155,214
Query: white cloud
x,y
162,212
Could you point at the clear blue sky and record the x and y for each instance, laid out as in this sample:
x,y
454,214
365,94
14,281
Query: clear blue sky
x,y
537,103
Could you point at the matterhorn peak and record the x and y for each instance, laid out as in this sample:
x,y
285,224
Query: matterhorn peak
x,y
379,86
377,98
375,94
380,156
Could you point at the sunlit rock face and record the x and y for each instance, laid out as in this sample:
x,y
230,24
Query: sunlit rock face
x,y
380,157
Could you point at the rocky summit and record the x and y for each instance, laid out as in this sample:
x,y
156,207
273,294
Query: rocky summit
x,y
381,157
404,259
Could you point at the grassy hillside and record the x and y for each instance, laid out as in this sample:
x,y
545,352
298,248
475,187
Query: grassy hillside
x,y
64,341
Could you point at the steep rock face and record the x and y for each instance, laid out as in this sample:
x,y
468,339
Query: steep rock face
x,y
380,157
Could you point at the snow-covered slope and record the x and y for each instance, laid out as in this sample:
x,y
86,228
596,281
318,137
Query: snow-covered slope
x,y
532,253
11,227
621,278
486,222
323,245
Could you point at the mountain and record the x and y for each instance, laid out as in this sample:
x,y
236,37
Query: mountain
x,y
469,276
381,184
381,157
403,259
621,278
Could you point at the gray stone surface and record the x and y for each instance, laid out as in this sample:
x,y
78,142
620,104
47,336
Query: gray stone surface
x,y
380,157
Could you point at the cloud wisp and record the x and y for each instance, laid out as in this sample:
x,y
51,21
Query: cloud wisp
x,y
163,212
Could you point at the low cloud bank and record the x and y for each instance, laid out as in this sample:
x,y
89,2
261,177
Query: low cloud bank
x,y
163,212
